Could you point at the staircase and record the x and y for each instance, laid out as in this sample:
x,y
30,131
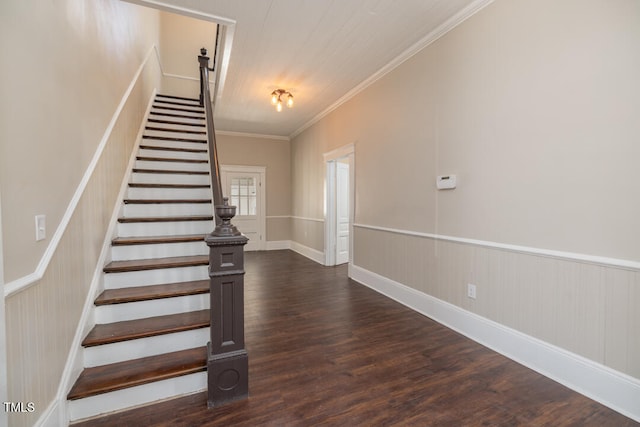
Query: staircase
x,y
152,320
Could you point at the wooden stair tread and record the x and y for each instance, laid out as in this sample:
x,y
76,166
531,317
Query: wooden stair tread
x,y
173,138
186,110
161,129
160,95
151,185
184,150
173,122
182,116
151,292
128,220
170,171
164,201
109,333
170,103
117,376
165,159
124,241
155,263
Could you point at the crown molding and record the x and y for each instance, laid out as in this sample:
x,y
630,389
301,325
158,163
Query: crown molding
x,y
434,35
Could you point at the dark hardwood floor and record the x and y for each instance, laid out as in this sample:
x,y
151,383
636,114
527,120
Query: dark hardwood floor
x,y
324,350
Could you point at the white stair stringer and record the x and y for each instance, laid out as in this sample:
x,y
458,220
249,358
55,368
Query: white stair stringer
x,y
137,396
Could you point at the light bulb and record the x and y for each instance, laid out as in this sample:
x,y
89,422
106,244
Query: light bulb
x,y
274,98
279,106
290,101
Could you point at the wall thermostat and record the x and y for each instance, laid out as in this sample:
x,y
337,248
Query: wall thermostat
x,y
446,182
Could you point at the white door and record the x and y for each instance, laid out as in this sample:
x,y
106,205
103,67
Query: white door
x,y
243,187
342,213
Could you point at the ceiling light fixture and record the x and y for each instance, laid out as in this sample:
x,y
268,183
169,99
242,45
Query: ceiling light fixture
x,y
277,96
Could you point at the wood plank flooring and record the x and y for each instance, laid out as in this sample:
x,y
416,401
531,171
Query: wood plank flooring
x,y
324,350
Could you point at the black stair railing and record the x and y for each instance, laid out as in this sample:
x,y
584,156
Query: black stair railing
x,y
227,359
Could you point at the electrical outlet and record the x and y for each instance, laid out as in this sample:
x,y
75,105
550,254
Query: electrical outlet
x,y
471,291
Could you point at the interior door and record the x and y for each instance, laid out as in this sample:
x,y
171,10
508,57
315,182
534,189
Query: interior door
x,y
342,213
243,190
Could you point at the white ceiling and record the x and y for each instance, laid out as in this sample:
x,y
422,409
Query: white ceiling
x,y
320,50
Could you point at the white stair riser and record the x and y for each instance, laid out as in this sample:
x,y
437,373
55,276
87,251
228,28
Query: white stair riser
x,y
141,210
168,193
142,309
165,100
181,127
158,250
156,150
155,277
159,143
177,134
134,396
161,115
161,108
175,166
144,347
147,229
169,178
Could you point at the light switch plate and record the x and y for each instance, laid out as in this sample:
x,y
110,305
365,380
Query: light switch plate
x,y
41,227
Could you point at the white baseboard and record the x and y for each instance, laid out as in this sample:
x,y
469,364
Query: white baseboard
x,y
614,389
312,254
50,417
278,245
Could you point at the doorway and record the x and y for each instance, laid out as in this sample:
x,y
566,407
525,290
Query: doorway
x,y
245,187
339,213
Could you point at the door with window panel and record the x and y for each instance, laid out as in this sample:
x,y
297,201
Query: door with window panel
x,y
243,190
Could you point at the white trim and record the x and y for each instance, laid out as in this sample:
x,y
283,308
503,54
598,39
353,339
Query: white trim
x,y
340,152
614,389
278,245
572,256
303,218
183,11
252,135
51,417
4,389
23,283
278,216
312,254
434,35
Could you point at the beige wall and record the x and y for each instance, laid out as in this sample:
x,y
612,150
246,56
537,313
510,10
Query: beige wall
x,y
274,154
181,38
533,105
67,68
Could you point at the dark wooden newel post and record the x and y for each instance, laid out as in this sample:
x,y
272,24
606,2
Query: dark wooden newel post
x,y
228,363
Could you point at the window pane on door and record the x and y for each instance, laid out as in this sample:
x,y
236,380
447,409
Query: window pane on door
x,y
243,195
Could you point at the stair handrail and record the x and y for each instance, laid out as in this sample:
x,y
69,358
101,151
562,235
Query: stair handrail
x,y
205,101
